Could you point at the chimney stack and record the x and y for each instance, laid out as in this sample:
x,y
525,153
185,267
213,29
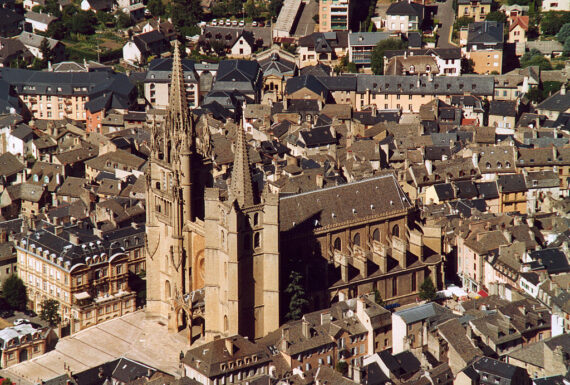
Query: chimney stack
x,y
229,346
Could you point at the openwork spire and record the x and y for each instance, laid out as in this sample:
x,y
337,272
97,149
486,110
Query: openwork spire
x,y
178,128
241,187
178,103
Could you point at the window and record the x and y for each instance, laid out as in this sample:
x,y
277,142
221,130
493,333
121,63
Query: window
x,y
376,235
356,239
414,282
118,268
256,240
337,244
394,287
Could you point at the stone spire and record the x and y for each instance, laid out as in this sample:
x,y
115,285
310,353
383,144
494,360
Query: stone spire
x,y
178,122
241,187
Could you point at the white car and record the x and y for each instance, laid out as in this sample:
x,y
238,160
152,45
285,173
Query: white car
x,y
21,321
241,23
228,22
234,23
254,24
214,22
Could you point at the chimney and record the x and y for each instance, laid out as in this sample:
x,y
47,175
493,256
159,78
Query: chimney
x,y
429,166
306,328
320,180
508,236
229,346
285,333
326,318
563,89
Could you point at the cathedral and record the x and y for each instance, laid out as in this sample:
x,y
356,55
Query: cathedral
x,y
237,246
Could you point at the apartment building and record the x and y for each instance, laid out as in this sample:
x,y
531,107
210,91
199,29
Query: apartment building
x,y
477,9
55,95
334,15
84,270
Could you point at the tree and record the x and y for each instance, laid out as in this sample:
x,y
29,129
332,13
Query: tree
x,y
275,7
378,298
14,292
377,59
467,66
123,20
535,58
463,21
186,14
552,22
427,290
564,33
567,46
50,312
56,30
84,22
251,9
46,51
297,295
496,16
156,7
342,367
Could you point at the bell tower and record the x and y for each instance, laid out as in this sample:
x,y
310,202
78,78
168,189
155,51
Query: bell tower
x,y
175,234
242,255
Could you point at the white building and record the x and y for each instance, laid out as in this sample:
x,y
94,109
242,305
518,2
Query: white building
x,y
555,5
39,21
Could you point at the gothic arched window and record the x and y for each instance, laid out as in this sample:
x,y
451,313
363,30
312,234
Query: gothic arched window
x,y
356,239
337,244
376,235
256,240
396,231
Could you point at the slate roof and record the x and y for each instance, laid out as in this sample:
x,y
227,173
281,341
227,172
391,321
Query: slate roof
x,y
495,367
310,82
159,71
556,102
553,259
277,65
444,191
10,165
33,40
370,197
439,85
406,8
503,108
423,312
401,365
208,358
367,38
116,93
40,17
487,32
512,183
53,83
242,75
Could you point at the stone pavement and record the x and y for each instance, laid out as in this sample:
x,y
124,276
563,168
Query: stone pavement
x,y
134,336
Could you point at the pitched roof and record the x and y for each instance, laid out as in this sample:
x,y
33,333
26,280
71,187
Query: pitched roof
x,y
489,32
367,38
560,101
406,8
35,41
326,207
10,165
423,312
519,20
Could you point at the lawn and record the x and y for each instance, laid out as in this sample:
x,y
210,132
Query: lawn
x,y
108,44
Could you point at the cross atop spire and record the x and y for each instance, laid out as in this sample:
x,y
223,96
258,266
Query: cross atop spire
x,y
241,187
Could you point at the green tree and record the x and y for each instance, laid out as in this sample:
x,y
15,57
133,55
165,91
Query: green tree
x,y
463,21
56,30
123,20
378,298
535,58
352,68
297,294
567,45
552,22
186,14
564,33
251,9
427,290
84,22
156,8
106,19
496,16
46,51
467,66
342,367
50,312
14,292
377,59
275,7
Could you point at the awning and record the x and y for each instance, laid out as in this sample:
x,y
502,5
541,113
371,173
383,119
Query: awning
x,y
483,293
82,295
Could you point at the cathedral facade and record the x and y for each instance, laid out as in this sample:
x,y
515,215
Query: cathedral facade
x,y
237,246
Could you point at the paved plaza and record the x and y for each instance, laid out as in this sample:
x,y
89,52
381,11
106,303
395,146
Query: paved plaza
x,y
134,336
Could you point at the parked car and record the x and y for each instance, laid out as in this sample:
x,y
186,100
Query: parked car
x,y
241,23
261,24
214,22
30,313
228,22
234,23
254,24
21,321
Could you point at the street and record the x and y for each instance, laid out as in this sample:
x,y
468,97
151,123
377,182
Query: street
x,y
446,17
306,25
